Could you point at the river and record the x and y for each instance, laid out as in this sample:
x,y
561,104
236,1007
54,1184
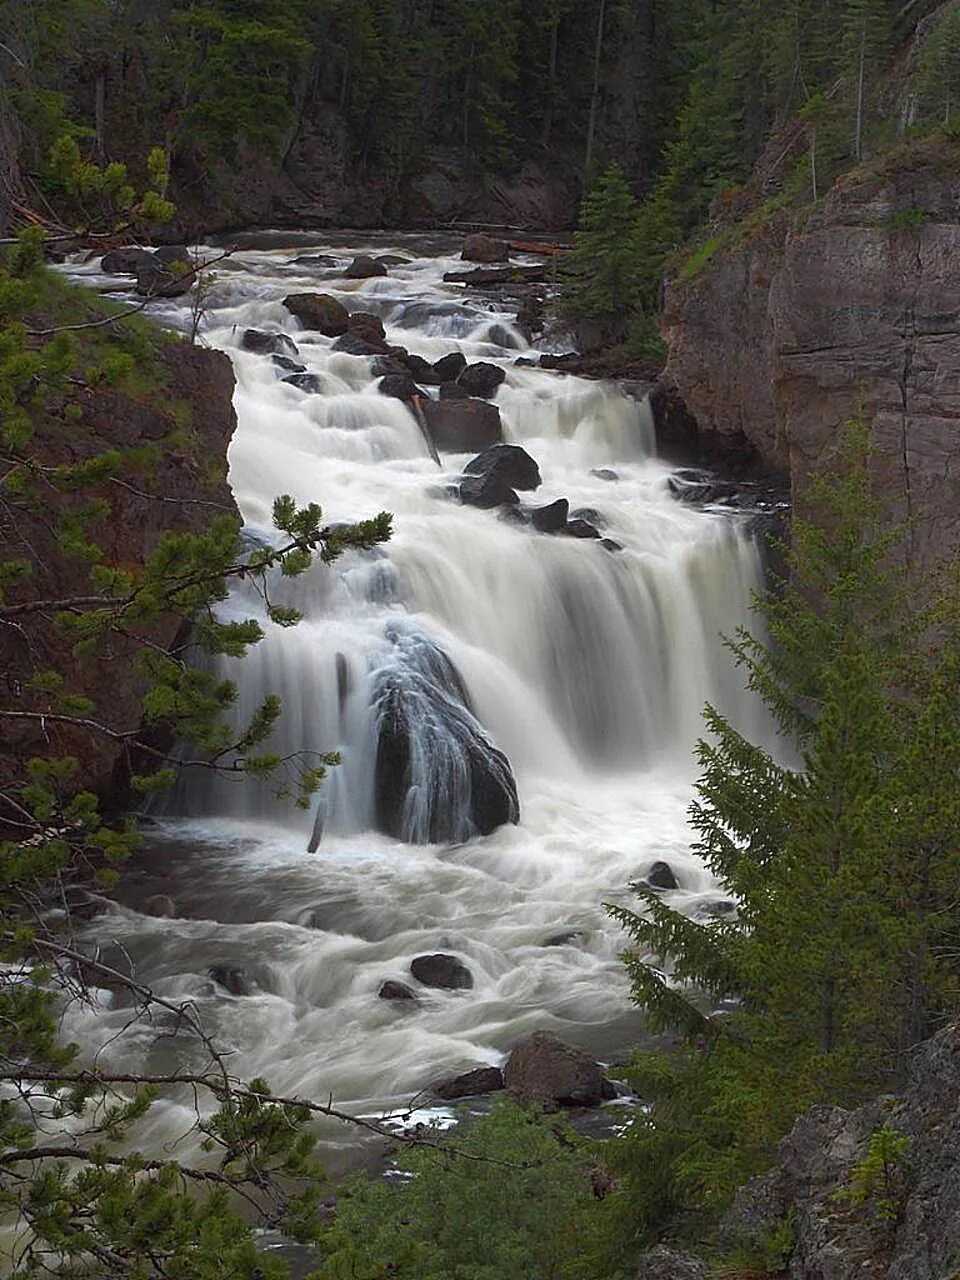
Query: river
x,y
586,665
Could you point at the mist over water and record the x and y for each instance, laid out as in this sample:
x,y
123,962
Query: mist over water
x,y
588,668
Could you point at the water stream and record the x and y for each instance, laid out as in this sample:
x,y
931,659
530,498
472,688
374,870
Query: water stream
x,y
587,667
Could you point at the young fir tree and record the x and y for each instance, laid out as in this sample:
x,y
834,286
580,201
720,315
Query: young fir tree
x,y
601,270
841,849
77,1198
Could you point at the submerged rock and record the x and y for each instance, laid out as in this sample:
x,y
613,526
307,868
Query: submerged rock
x,y
309,382
661,876
438,776
233,980
509,463
547,1069
291,366
443,971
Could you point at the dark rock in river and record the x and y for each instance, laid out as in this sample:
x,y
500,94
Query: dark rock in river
x,y
442,971
580,529
438,776
399,386
363,267
550,519
486,277
661,876
486,491
449,368
481,379
568,939
391,990
312,383
546,1069
367,326
315,260
509,463
178,254
354,345
422,370
591,515
480,247
318,311
610,544
604,473
127,261
160,280
453,391
233,980
470,1084
291,366
267,344
463,426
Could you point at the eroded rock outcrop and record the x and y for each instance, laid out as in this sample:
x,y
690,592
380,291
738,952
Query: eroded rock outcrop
x,y
787,334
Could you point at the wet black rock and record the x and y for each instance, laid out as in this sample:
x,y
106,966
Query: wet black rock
x,y
661,876
312,383
367,326
591,515
422,370
453,391
610,544
450,367
391,990
399,386
509,463
354,345
552,518
318,311
580,529
568,939
604,473
164,280
470,1084
233,980
383,365
481,379
480,247
510,514
392,260
291,366
463,426
160,905
169,254
486,491
438,776
441,970
363,267
315,260
127,261
268,344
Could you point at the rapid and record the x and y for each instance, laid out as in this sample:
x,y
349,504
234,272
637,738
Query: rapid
x,y
586,666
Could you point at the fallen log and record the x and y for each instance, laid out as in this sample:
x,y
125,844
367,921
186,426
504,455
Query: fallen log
x,y
501,275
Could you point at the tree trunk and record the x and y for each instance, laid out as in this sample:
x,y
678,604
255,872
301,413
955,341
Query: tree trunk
x,y
858,132
99,116
594,97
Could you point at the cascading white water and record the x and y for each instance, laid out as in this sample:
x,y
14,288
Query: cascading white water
x,y
586,666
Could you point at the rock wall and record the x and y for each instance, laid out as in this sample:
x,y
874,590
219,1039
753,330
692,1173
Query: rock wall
x,y
189,421
790,332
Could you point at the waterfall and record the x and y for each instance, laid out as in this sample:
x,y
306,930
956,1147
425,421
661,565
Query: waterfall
x,y
515,711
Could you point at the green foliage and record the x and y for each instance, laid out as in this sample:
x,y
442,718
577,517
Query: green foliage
x,y
909,220
101,197
88,1199
840,849
601,271
511,1199
877,1181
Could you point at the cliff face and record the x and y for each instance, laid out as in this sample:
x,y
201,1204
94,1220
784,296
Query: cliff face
x,y
180,428
785,336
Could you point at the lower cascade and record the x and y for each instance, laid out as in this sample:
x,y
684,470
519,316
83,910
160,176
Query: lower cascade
x,y
514,688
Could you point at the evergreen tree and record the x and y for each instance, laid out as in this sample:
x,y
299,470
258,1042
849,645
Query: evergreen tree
x,y
601,271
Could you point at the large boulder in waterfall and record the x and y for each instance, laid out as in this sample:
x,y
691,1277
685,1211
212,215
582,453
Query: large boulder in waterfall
x,y
443,971
127,261
480,247
552,518
463,426
449,367
453,391
481,379
509,463
363,267
438,776
580,529
318,311
399,386
366,326
546,1069
421,369
268,344
486,492
470,1084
